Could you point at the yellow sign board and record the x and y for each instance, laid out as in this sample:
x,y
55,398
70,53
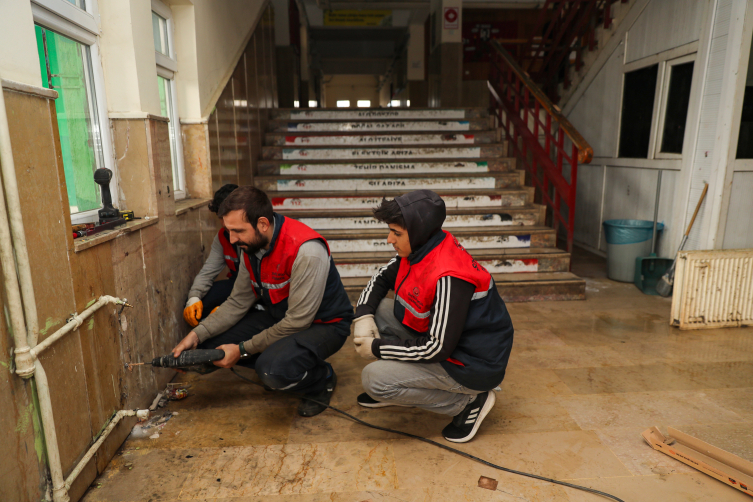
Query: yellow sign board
x,y
357,18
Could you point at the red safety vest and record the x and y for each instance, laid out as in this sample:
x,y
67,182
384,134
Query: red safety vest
x,y
228,251
277,266
416,285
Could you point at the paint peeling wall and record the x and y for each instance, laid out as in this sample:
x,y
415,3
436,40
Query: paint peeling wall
x,y
152,266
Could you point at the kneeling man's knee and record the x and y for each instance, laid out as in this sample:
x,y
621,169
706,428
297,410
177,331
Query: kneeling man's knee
x,y
374,381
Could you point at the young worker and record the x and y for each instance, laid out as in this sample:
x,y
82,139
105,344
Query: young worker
x,y
206,294
444,342
286,268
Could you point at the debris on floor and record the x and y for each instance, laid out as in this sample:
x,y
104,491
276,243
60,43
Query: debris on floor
x,y
488,483
717,463
151,427
177,390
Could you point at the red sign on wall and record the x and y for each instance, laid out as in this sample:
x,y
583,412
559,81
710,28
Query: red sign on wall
x,y
451,18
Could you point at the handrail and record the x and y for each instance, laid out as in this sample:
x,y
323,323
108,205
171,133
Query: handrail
x,y
536,130
585,152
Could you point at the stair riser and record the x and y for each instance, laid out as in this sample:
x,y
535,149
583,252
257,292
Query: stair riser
x,y
303,202
470,152
483,137
380,114
493,266
470,243
332,185
527,292
452,221
464,167
371,126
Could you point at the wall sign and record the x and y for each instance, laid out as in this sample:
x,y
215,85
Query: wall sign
x,y
451,18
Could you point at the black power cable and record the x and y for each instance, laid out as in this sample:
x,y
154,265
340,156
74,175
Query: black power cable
x,y
444,447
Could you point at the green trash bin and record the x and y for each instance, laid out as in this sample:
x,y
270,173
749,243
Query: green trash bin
x,y
626,241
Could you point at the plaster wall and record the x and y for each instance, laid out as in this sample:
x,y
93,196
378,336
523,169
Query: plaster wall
x,y
18,45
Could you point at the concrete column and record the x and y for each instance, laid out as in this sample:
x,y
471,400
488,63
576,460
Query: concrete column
x,y
446,60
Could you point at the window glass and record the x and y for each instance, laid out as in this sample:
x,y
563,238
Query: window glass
x,y
676,114
66,67
78,3
166,108
745,139
637,112
159,30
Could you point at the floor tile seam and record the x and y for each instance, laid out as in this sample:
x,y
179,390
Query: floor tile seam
x,y
637,393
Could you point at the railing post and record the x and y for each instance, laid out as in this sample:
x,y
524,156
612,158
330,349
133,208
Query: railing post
x,y
571,198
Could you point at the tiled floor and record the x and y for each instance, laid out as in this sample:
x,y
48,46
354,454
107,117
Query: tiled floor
x,y
585,379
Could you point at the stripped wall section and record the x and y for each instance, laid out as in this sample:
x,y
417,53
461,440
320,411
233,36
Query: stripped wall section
x,y
235,126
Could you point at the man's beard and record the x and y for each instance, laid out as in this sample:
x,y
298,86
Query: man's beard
x,y
259,243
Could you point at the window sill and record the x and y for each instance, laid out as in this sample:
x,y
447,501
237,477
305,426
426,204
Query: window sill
x,y
182,206
83,243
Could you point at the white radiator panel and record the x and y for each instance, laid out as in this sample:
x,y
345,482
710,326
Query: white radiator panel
x,y
713,289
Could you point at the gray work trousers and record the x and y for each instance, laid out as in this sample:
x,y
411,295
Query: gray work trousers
x,y
423,385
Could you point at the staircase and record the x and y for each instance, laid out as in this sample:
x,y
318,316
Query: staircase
x,y
329,167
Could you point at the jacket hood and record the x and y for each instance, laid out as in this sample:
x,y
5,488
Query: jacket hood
x,y
424,213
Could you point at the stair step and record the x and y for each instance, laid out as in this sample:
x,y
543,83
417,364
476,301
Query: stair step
x,y
377,113
534,286
356,212
374,139
289,200
494,260
374,126
430,152
472,238
469,181
516,217
281,167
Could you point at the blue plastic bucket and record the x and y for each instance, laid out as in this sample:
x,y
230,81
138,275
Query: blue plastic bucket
x,y
626,241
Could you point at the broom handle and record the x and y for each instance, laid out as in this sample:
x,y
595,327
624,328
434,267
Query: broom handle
x,y
697,207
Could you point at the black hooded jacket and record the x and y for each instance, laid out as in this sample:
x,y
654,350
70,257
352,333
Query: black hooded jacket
x,y
475,339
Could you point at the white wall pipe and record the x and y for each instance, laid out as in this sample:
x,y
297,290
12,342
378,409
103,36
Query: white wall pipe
x,y
59,492
10,184
23,359
60,487
141,414
75,322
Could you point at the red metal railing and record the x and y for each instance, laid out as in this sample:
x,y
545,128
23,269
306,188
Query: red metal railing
x,y
539,136
563,30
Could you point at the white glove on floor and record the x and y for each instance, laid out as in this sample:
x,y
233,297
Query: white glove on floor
x,y
365,327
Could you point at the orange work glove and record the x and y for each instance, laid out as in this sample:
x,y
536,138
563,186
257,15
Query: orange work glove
x,y
214,310
192,312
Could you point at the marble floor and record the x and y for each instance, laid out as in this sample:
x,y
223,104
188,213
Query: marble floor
x,y
584,380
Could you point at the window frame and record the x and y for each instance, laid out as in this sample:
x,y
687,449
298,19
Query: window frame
x,y
668,65
167,66
677,55
81,26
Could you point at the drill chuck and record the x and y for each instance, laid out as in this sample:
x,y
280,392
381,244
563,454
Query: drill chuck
x,y
189,358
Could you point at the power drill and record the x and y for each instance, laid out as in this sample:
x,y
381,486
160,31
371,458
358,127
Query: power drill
x,y
108,213
195,360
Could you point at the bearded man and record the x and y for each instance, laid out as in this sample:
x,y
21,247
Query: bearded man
x,y
288,311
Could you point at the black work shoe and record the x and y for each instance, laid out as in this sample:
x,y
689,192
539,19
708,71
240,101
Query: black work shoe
x,y
367,401
308,408
466,423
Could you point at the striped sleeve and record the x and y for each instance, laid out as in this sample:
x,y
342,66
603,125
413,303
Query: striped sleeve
x,y
448,314
377,288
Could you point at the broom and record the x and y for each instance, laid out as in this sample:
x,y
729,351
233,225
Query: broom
x,y
665,284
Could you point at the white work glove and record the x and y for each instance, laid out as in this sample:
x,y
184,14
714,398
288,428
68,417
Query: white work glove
x,y
365,327
363,347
